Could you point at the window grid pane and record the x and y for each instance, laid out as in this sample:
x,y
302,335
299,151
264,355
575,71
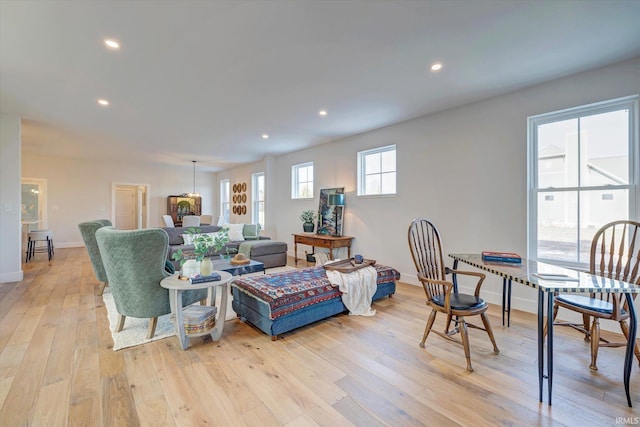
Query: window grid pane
x,y
377,171
585,154
257,202
302,181
224,200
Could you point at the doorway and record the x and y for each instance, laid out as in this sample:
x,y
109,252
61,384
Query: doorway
x,y
130,206
33,206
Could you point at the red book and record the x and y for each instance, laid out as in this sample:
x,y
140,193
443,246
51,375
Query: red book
x,y
501,257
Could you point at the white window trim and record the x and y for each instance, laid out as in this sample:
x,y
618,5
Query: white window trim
x,y
254,200
225,202
630,102
361,179
295,185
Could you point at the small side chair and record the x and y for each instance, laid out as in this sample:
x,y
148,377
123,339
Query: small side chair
x,y
88,231
134,261
615,253
190,221
168,221
442,295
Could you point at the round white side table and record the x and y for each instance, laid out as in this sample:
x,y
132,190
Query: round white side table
x,y
176,287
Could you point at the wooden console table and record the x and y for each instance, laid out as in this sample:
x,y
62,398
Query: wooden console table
x,y
321,241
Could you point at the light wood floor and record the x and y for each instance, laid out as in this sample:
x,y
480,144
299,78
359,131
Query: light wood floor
x,y
57,368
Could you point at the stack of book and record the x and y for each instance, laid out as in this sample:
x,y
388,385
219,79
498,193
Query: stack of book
x,y
508,257
213,277
198,318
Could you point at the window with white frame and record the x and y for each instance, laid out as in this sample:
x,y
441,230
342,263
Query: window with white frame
x,y
224,201
257,199
583,173
302,181
377,171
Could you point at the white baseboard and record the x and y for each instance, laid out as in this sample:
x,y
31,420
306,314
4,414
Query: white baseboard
x,y
15,276
68,244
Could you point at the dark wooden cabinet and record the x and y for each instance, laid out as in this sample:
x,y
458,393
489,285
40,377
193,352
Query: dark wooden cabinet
x,y
179,206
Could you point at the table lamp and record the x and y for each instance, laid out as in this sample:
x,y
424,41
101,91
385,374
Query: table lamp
x,y
336,200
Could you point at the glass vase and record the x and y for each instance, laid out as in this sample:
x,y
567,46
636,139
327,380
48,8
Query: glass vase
x,y
206,267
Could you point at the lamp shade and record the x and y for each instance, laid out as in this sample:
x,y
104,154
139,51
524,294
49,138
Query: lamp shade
x,y
336,200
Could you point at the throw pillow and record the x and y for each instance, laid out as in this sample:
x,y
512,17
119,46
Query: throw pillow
x,y
188,238
168,267
251,231
235,232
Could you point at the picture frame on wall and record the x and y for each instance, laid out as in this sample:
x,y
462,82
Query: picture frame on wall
x,y
331,211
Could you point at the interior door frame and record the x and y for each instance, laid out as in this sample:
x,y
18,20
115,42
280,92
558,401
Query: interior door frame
x,y
145,206
42,199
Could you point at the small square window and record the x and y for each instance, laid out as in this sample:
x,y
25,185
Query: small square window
x,y
377,171
302,181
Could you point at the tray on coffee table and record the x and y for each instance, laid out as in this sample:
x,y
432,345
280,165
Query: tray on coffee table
x,y
349,265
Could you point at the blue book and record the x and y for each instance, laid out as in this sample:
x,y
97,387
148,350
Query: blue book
x,y
214,277
501,257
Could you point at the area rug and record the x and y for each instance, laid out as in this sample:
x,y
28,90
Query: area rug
x,y
135,330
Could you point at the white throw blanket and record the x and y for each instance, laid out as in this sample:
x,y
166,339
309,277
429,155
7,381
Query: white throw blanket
x,y
357,289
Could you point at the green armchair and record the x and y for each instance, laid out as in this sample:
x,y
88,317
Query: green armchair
x,y
134,261
88,230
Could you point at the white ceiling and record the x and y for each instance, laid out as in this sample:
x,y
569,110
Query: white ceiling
x,y
205,79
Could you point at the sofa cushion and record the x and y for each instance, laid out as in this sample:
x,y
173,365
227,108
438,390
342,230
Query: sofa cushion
x,y
175,233
267,248
235,232
188,238
251,231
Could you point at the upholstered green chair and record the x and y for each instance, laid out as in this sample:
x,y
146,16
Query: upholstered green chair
x,y
88,230
134,261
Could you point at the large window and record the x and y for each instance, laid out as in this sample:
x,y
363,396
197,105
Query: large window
x,y
583,165
257,199
302,181
224,202
377,171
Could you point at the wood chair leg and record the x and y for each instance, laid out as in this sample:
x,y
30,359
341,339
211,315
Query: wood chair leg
x,y
427,328
464,334
586,320
446,328
101,287
487,326
595,341
153,322
625,331
120,322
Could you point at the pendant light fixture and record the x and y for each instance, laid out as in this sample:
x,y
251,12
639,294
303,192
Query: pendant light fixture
x,y
194,194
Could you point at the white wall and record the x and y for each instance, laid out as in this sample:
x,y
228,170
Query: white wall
x,y
80,190
465,169
10,228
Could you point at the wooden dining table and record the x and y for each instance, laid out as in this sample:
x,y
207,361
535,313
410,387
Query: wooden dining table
x,y
557,279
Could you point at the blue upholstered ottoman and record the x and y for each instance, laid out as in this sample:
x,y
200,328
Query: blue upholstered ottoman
x,y
280,302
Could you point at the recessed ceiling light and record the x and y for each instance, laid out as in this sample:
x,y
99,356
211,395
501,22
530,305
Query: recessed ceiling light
x,y
436,66
103,102
322,113
112,44
265,136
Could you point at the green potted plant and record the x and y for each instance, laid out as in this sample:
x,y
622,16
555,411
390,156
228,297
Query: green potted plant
x,y
307,217
202,244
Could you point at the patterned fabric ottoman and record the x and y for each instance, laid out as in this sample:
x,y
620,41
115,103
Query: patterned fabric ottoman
x,y
280,302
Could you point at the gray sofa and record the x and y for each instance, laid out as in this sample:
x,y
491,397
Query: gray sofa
x,y
264,250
